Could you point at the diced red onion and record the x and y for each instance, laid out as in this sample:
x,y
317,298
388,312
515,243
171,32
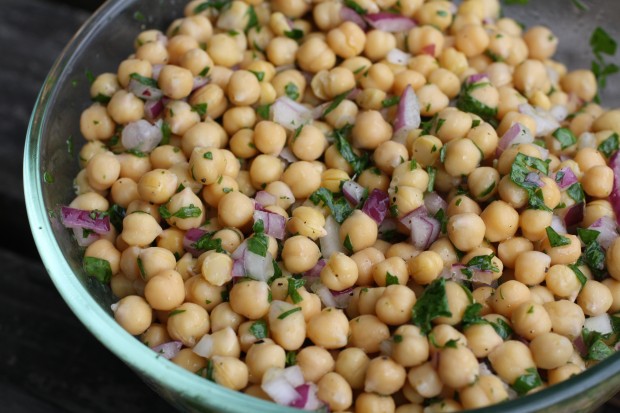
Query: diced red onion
x,y
153,108
343,297
168,350
545,122
558,224
287,154
534,178
274,223
316,270
190,237
350,15
580,345
289,113
606,227
475,78
144,91
324,293
434,202
199,81
377,205
141,135
429,49
398,57
238,269
330,243
568,177
517,134
157,70
390,22
308,399
407,115
424,229
82,240
264,198
614,197
386,347
600,323
353,192
82,219
574,214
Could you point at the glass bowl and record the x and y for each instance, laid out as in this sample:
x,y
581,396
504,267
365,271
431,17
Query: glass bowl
x,y
50,164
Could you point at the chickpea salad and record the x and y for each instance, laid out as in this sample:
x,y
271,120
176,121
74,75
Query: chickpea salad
x,y
357,205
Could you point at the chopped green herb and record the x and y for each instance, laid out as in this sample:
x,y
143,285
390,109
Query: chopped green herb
x,y
527,381
595,343
291,358
347,243
587,235
207,243
208,155
48,178
136,152
101,98
442,153
139,16
336,102
288,313
146,81
259,329
602,43
204,71
390,279
433,303
518,173
472,316
565,136
356,7
90,76
467,103
575,191
359,70
432,173
442,13
184,212
293,285
175,312
555,239
98,268
116,214
294,34
200,109
216,4
263,111
259,75
339,207
609,145
291,90
475,123
358,163
391,101
166,132
440,123
502,328
397,338
580,5
252,19
259,242
483,263
487,191
580,275
594,257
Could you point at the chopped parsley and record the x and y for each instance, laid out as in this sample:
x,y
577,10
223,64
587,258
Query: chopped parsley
x,y
101,98
555,239
263,111
293,285
207,243
587,235
216,4
580,275
252,19
602,44
575,191
98,268
356,7
259,242
291,90
483,263
433,303
48,178
358,163
347,243
565,136
518,173
526,382
391,101
191,211
259,75
609,145
291,358
390,279
336,102
175,312
467,103
204,71
339,206
432,173
259,329
595,343
146,81
200,109
288,313
294,34
166,132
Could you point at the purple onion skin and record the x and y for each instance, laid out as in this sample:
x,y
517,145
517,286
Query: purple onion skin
x,y
614,197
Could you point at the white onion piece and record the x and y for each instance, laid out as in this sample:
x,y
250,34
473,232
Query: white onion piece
x,y
289,114
484,369
606,227
600,323
407,115
199,81
157,70
330,243
434,202
324,294
141,135
587,140
258,267
559,112
545,122
114,307
398,57
168,350
144,91
264,198
342,298
293,374
389,22
280,390
204,347
557,224
353,192
287,154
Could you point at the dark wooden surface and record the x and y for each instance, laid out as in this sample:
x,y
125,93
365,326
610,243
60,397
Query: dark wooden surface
x,y
48,361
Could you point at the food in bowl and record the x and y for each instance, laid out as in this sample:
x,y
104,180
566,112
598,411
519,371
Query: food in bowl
x,y
355,206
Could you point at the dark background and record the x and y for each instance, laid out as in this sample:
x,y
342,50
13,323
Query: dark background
x,y
48,361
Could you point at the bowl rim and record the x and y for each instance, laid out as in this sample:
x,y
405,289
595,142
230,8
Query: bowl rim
x,y
130,350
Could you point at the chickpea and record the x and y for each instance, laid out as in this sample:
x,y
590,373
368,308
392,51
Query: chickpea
x,y
463,358
303,179
262,356
425,267
508,296
563,373
188,323
541,42
96,123
223,316
531,267
176,82
339,273
367,332
352,364
565,254
315,55
235,210
140,229
488,390
329,328
432,99
358,231
224,50
286,324
529,320
551,350
370,130
335,391
315,362
300,254
511,360
102,170
165,291
482,339
598,181
582,83
533,224
371,402
395,305
595,298
466,231
269,137
501,221
395,267
425,380
472,40
384,376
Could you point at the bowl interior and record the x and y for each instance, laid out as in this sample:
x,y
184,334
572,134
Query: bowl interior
x,y
50,165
